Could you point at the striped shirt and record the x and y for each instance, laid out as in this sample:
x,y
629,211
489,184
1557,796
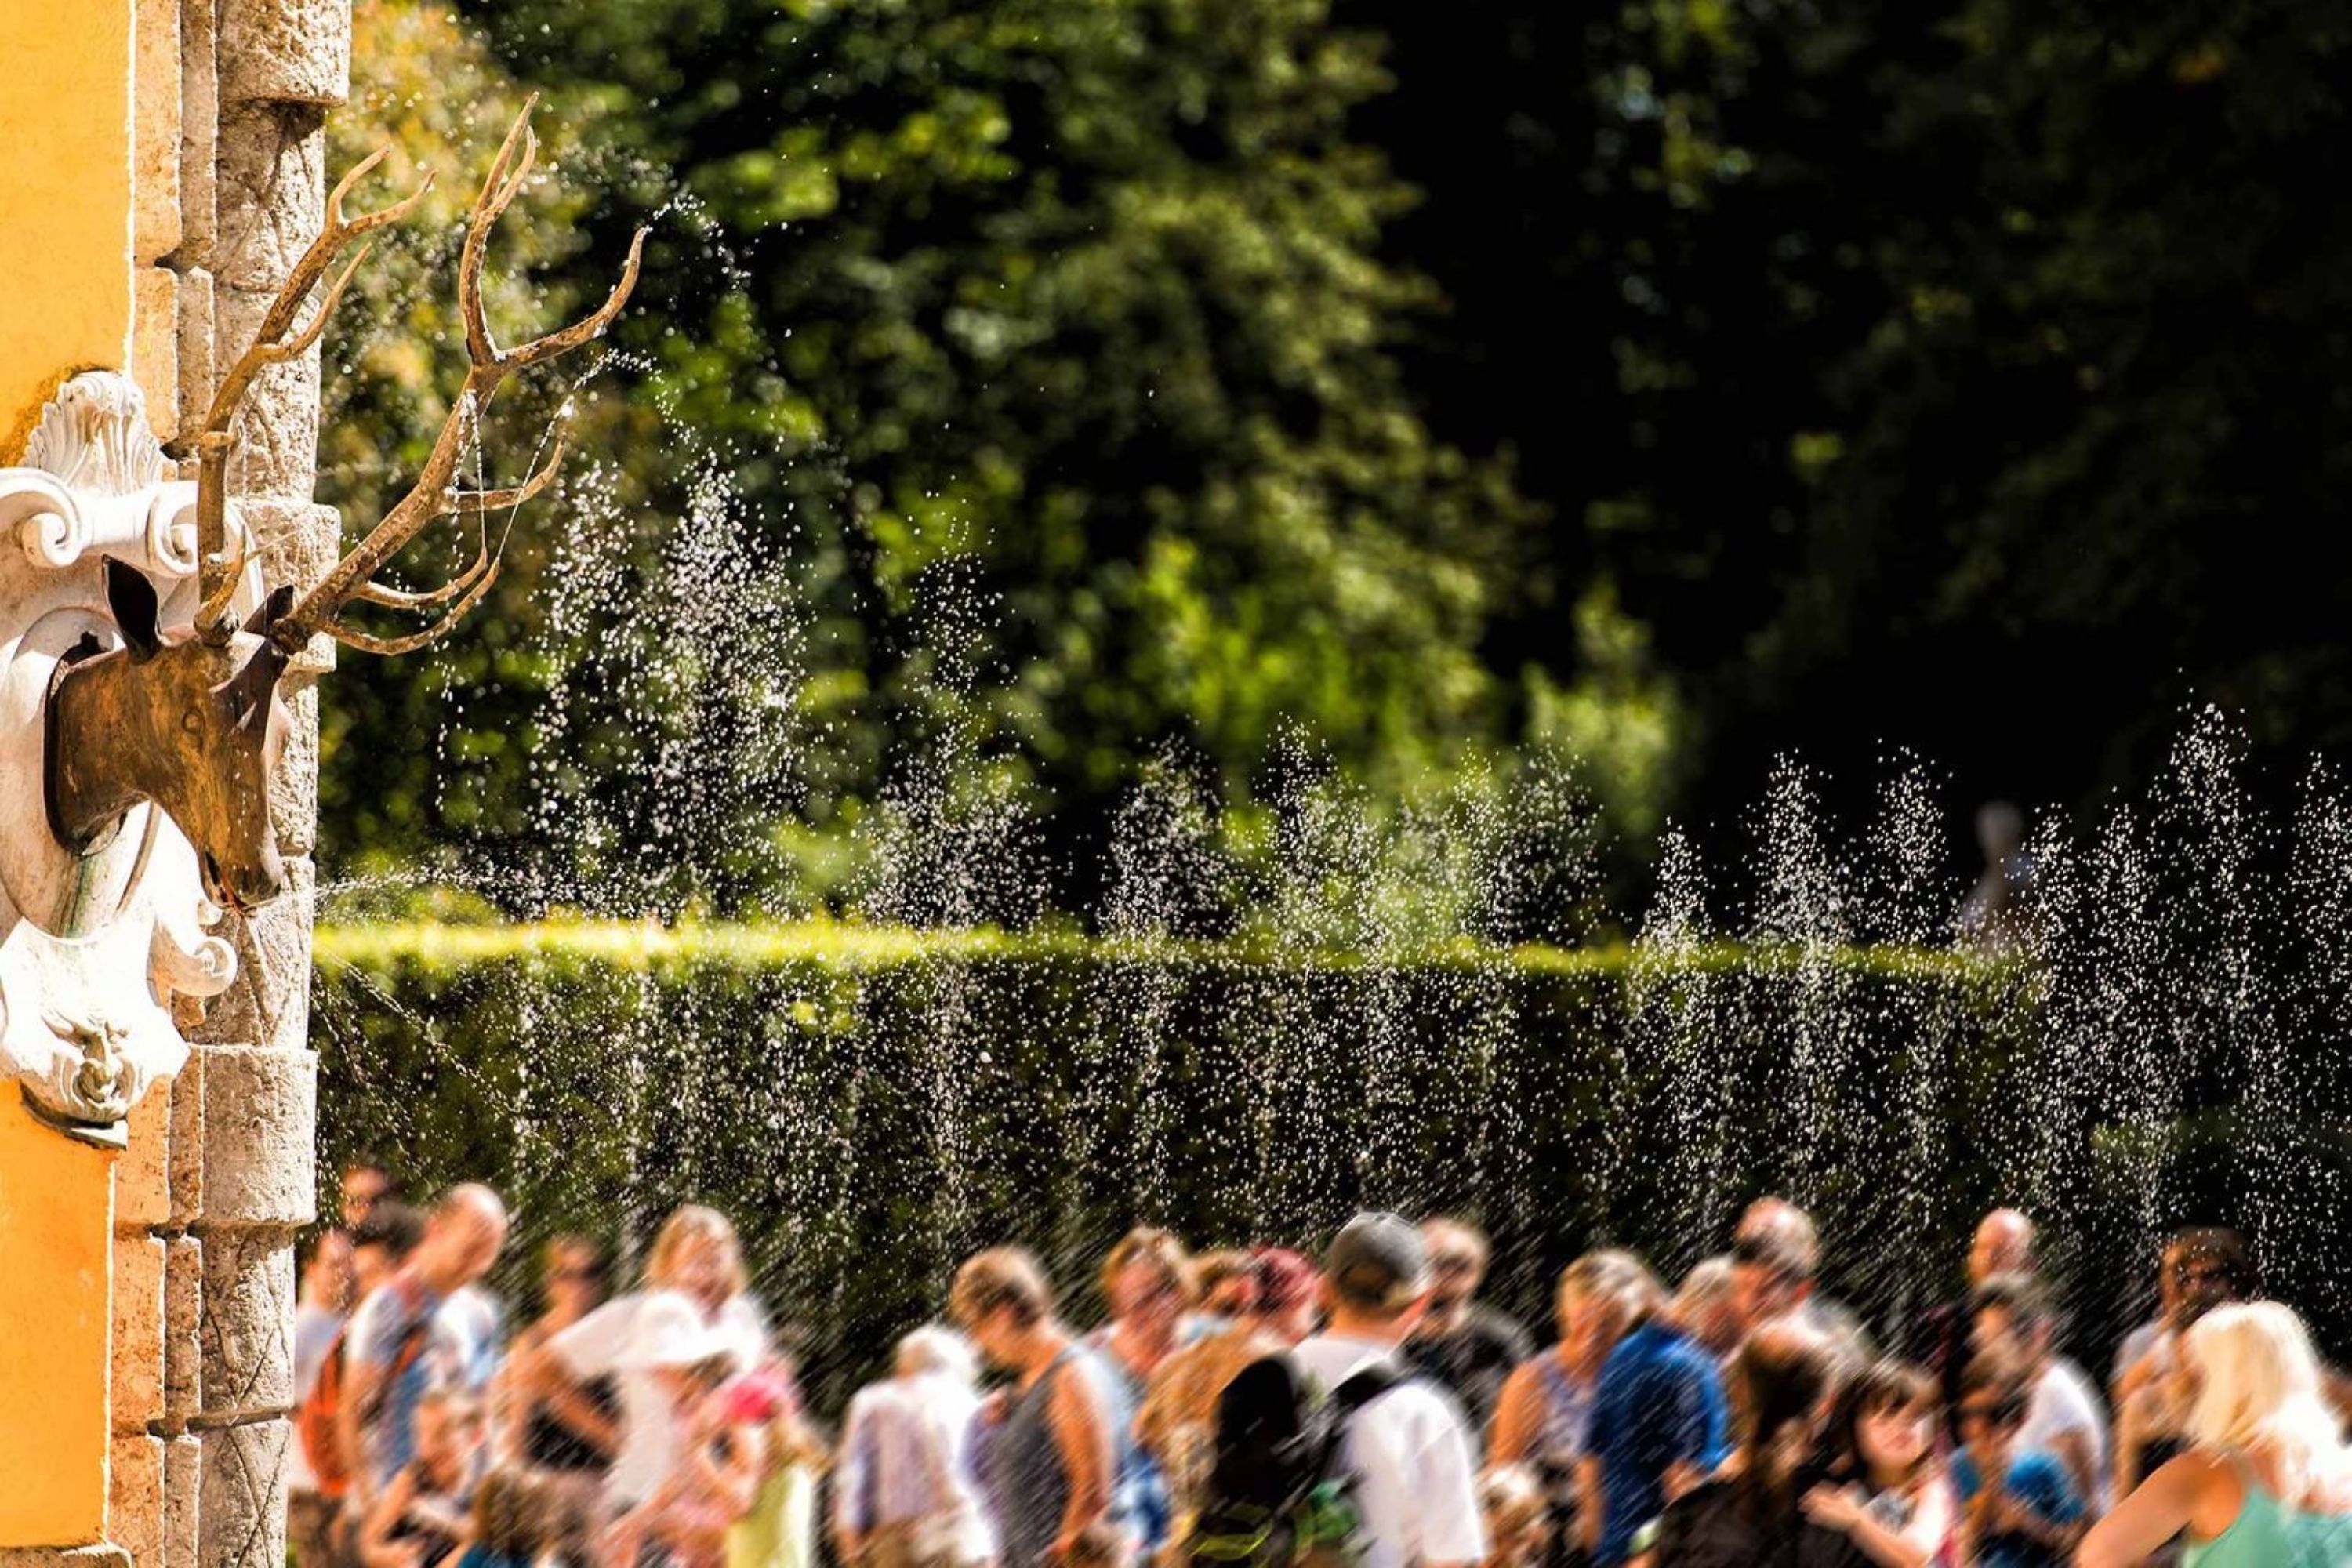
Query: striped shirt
x,y
906,1452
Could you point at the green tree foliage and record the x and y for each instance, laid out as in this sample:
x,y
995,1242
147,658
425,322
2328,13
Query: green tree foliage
x,y
1046,349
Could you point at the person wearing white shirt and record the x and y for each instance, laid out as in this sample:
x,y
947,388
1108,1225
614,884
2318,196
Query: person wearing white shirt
x,y
695,1255
1408,1448
903,1490
2012,1315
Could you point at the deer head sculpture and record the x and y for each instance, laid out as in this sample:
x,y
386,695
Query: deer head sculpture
x,y
191,719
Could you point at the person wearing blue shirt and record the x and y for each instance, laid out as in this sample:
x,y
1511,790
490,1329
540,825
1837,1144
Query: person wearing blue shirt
x,y
2033,1518
1658,1407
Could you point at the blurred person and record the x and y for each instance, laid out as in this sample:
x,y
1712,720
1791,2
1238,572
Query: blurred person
x,y
509,1524
1879,1484
365,1182
683,1515
328,1527
1223,1285
1402,1442
1659,1421
2013,1317
2142,1339
1517,1517
1707,1306
1178,1418
566,1430
764,1460
904,1494
1747,1511
1463,1344
402,1343
1147,1279
2020,1504
417,1518
695,1257
1775,1259
382,1243
2203,1266
1544,1417
1051,1435
2267,1480
2002,1244
1989,916
322,1305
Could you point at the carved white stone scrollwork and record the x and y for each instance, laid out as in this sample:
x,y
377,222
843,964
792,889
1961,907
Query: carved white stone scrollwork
x,y
95,943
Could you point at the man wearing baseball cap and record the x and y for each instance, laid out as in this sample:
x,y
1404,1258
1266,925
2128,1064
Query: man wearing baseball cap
x,y
1407,1448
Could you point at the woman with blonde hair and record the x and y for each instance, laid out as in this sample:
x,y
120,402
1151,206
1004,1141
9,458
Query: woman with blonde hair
x,y
694,1260
2268,1478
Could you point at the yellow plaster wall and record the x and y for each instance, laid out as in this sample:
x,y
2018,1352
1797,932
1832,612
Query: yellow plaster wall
x,y
56,1217
66,208
65,301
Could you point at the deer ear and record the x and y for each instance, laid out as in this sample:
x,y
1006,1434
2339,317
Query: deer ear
x,y
271,610
248,689
131,597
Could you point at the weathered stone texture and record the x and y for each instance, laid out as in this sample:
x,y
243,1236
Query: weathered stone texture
x,y
243,1518
186,1157
245,1335
267,1004
142,1181
286,51
136,1393
155,347
273,196
135,1500
199,134
194,350
103,1556
184,1469
294,783
259,1119
184,1307
155,137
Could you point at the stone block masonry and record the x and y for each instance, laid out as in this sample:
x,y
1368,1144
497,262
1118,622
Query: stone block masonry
x,y
218,1181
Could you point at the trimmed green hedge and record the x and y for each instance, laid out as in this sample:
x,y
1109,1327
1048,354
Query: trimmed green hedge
x,y
870,1105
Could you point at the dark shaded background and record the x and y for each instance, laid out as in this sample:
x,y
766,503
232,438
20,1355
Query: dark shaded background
x,y
1679,382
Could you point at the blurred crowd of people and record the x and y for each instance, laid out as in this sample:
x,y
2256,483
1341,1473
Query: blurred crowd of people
x,y
1257,1407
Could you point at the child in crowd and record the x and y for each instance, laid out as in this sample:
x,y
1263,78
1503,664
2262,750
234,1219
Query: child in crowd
x,y
419,1520
2019,1506
1881,1487
765,1459
509,1525
685,1519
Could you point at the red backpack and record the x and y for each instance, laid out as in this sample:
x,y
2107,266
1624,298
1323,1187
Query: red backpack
x,y
319,1418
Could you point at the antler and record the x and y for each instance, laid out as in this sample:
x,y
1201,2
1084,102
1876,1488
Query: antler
x,y
216,574
433,495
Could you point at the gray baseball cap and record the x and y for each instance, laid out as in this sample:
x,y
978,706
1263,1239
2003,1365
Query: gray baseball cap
x,y
1378,1263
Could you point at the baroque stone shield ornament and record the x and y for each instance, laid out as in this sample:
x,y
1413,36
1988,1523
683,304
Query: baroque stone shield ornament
x,y
96,943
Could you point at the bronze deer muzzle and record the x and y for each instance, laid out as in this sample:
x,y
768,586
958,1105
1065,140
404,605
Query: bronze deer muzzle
x,y
193,721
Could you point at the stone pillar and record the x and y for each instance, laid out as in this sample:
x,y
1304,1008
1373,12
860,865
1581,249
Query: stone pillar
x,y
219,1180
276,68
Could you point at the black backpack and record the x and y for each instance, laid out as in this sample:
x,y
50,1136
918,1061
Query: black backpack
x,y
1275,1493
